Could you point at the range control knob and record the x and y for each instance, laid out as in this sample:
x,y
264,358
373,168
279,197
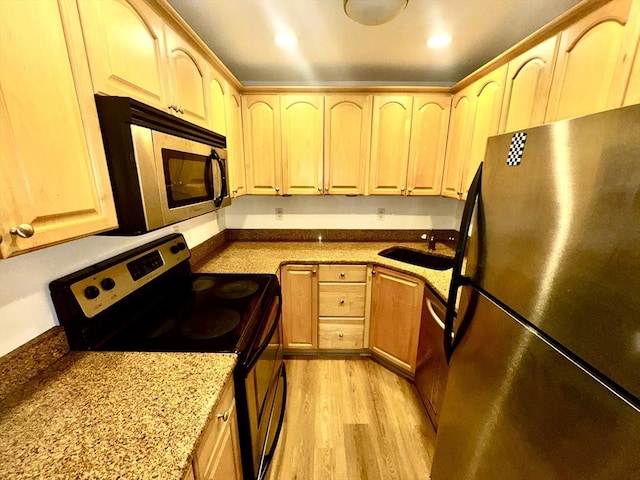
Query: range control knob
x,y
91,292
182,246
108,283
174,249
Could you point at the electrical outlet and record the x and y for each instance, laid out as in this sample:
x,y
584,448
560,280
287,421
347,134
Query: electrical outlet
x,y
279,213
381,213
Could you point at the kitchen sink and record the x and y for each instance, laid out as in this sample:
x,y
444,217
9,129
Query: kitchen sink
x,y
416,257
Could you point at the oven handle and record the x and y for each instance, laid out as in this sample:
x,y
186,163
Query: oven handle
x,y
269,456
253,358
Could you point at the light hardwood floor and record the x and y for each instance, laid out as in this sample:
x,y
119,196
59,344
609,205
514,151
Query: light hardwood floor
x,y
351,420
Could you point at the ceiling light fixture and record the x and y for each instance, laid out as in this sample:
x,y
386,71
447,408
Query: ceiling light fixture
x,y
286,41
373,12
439,41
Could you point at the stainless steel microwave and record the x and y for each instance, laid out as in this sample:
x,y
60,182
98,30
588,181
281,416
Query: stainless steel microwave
x,y
163,169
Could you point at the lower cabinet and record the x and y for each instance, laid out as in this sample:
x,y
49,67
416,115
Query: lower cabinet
x,y
299,285
432,368
218,456
396,309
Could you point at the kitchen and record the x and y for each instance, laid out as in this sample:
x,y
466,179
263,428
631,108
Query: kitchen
x,y
25,278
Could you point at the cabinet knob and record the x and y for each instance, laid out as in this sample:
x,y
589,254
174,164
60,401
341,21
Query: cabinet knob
x,y
373,272
341,274
342,301
277,189
410,190
313,272
24,230
181,110
402,189
319,189
341,335
223,416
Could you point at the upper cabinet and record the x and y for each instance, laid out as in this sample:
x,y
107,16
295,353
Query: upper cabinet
x,y
235,147
188,80
429,128
390,144
594,61
632,94
302,124
132,52
219,90
54,182
262,149
111,29
527,87
347,137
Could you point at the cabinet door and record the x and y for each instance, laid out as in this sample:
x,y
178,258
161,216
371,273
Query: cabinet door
x,y
396,308
632,94
300,305
302,126
125,49
429,128
458,142
235,147
188,80
218,105
347,121
527,87
594,61
390,136
54,175
261,130
488,93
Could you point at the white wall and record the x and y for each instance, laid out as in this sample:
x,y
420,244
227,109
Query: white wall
x,y
26,309
340,212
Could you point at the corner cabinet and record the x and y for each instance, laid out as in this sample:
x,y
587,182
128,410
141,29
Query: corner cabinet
x,y
262,149
54,184
347,138
396,310
300,306
218,455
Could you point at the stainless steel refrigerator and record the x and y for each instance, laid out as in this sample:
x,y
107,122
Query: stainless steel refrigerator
x,y
544,378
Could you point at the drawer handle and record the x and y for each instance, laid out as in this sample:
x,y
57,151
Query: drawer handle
x,y
342,301
223,416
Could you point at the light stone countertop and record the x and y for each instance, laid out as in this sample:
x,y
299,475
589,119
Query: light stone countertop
x,y
266,257
108,415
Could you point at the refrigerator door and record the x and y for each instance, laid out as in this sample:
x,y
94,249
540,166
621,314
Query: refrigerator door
x,y
516,408
558,237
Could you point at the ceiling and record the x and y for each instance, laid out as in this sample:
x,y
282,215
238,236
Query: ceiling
x,y
332,49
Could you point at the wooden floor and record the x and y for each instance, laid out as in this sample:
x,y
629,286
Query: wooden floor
x,y
351,420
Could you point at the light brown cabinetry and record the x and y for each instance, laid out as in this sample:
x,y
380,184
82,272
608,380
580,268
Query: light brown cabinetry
x,y
235,146
302,124
632,94
347,134
262,149
429,128
594,61
527,87
396,307
342,295
432,368
218,455
54,184
219,91
126,49
390,135
300,306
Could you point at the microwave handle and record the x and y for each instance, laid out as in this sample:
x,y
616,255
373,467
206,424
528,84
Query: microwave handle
x,y
217,200
208,175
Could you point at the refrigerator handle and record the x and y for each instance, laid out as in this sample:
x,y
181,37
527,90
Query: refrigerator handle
x,y
457,279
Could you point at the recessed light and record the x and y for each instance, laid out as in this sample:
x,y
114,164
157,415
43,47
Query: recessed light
x,y
286,41
439,41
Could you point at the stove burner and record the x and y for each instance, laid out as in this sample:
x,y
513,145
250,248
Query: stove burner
x,y
214,323
237,289
202,283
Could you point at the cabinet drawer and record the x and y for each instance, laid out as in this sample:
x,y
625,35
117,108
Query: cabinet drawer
x,y
348,335
341,300
342,273
205,453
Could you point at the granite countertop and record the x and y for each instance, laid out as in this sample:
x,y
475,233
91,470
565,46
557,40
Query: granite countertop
x,y
108,415
266,257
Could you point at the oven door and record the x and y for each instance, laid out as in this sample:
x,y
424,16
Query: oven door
x,y
185,176
265,394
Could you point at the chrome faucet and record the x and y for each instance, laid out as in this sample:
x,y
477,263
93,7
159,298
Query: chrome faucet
x,y
432,241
